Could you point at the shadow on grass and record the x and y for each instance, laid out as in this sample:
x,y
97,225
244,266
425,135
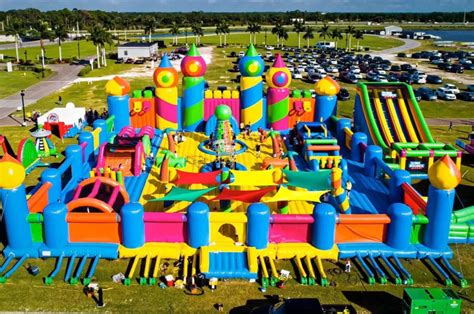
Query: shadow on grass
x,y
375,301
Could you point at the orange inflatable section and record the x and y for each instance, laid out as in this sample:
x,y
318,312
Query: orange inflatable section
x,y
142,112
93,227
38,201
362,228
297,113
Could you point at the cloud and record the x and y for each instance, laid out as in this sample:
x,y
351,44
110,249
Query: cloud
x,y
245,5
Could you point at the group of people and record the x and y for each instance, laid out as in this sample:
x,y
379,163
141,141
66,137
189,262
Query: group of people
x,y
245,129
93,114
220,163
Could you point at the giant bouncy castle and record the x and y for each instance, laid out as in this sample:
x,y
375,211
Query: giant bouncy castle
x,y
231,182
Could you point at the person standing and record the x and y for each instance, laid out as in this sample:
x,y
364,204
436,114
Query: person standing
x,y
258,149
348,188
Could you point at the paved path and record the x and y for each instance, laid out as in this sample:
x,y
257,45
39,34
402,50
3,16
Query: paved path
x,y
392,52
64,75
446,121
26,44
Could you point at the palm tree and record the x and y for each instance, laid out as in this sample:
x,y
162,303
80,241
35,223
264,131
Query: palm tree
x,y
359,35
298,27
174,30
149,25
44,33
308,34
276,139
283,35
185,25
253,28
14,30
291,160
99,36
276,30
164,170
219,32
336,35
61,34
225,30
198,32
349,31
324,31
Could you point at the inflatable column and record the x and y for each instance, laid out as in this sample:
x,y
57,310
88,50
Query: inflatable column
x,y
198,225
166,92
258,226
251,68
15,207
338,191
326,99
133,225
324,226
118,102
278,101
193,68
444,176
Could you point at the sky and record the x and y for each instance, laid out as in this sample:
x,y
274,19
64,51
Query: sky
x,y
245,5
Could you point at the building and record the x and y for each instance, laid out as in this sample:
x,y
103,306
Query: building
x,y
135,50
392,30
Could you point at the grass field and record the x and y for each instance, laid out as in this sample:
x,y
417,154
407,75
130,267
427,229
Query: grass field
x,y
15,81
111,68
69,50
26,293
371,42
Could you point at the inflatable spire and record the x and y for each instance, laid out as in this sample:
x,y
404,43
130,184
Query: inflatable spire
x,y
166,81
278,80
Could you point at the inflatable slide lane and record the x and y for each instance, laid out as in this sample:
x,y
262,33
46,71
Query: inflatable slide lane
x,y
391,117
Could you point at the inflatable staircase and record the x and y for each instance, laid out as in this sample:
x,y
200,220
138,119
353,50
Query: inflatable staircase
x,y
229,262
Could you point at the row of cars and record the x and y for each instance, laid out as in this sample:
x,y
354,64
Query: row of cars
x,y
447,92
450,61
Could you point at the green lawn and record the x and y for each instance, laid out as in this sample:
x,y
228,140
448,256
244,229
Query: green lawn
x,y
24,292
372,42
69,50
13,82
111,69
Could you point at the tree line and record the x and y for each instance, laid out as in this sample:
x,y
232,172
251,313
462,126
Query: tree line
x,y
85,19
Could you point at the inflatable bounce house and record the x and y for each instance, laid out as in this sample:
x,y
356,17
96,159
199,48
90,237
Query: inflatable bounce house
x,y
230,182
65,121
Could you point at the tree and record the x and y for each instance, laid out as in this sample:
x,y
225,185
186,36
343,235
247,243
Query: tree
x,y
336,35
198,32
324,31
225,30
14,30
359,35
174,30
308,34
61,34
253,28
349,31
298,27
44,33
219,32
99,37
277,30
283,35
149,25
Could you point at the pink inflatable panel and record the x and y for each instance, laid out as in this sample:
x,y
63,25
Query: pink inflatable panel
x,y
210,105
290,228
164,227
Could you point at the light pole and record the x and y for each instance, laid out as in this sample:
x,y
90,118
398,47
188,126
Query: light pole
x,y
78,49
22,93
26,56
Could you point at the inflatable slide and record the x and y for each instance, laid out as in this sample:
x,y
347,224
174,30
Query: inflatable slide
x,y
392,119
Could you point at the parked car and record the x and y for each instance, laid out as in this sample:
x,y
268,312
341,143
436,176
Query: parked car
x,y
402,55
241,54
419,77
470,88
452,87
407,78
427,93
349,78
417,95
467,96
343,94
406,67
296,75
395,68
434,79
457,68
393,77
446,94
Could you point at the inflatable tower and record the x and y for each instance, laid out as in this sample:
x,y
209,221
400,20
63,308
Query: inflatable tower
x,y
193,68
223,134
251,68
166,92
278,80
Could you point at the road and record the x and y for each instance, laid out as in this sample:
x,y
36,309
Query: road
x,y
64,75
26,44
391,53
